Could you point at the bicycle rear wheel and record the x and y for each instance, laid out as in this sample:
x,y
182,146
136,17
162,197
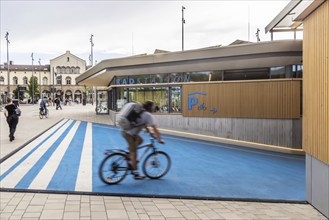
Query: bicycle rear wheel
x,y
113,168
156,165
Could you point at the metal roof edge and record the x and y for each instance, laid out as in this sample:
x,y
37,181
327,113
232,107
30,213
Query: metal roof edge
x,y
286,10
309,10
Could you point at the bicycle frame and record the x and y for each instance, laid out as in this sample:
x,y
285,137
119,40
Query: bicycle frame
x,y
148,146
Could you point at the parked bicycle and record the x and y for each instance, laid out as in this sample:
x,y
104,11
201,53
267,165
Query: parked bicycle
x,y
116,164
43,113
101,107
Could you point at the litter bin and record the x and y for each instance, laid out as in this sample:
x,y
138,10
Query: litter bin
x,y
84,101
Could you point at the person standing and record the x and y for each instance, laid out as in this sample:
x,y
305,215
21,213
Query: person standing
x,y
12,118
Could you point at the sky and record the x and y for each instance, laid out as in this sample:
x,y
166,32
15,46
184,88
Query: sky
x,y
49,28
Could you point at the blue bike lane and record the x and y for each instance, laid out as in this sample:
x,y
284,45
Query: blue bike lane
x,y
66,159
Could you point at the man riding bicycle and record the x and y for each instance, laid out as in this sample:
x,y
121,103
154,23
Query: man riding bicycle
x,y
134,140
43,105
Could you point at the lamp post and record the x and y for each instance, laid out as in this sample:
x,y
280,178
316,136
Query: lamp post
x,y
91,57
183,22
40,77
53,89
32,80
8,75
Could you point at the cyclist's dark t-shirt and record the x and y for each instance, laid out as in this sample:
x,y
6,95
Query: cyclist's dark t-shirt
x,y
11,109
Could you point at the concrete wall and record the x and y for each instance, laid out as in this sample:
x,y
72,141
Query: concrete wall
x,y
278,132
317,184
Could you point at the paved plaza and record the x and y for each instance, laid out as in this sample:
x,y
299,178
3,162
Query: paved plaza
x,y
23,205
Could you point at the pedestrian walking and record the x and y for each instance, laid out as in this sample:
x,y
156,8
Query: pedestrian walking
x,y
11,117
58,103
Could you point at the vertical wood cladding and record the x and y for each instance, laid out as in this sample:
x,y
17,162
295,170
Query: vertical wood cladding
x,y
277,99
316,84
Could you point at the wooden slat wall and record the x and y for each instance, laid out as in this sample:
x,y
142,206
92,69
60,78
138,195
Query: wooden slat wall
x,y
316,84
242,99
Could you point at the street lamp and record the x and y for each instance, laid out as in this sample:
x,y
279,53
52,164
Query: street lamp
x,y
53,89
40,92
8,76
32,80
183,22
91,57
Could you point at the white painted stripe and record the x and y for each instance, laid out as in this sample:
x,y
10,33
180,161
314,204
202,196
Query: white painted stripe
x,y
11,180
84,179
43,178
11,161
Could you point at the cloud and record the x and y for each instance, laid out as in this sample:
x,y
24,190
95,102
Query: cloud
x,y
128,27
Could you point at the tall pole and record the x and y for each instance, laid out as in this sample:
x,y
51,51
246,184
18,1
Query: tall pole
x,y
91,57
40,77
32,80
8,75
53,90
183,22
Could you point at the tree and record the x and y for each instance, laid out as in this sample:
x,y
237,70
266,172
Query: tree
x,y
33,81
21,94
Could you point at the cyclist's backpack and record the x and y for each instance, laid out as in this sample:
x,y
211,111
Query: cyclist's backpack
x,y
129,115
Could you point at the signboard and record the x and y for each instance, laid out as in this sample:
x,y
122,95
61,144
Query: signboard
x,y
243,99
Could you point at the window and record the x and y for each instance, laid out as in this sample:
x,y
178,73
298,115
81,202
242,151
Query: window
x,y
44,81
297,71
175,101
68,59
62,70
25,80
159,95
68,80
58,70
15,80
2,80
59,80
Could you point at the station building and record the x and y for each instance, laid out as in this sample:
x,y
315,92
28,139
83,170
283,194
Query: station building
x,y
248,92
56,79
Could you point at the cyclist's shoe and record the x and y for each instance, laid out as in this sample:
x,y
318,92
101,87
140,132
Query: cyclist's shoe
x,y
137,176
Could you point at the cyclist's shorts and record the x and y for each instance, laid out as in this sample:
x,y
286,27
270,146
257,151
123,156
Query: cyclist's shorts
x,y
133,141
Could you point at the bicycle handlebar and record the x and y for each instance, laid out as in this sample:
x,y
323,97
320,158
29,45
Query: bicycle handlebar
x,y
155,138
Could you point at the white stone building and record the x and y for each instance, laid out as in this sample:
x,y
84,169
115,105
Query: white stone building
x,y
56,79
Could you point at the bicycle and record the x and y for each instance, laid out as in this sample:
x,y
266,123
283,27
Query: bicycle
x,y
101,108
115,166
43,113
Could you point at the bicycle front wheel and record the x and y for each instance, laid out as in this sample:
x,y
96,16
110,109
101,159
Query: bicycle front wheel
x,y
40,115
113,168
47,114
156,165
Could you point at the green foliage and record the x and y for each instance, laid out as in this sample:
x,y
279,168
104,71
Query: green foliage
x,y
32,87
21,94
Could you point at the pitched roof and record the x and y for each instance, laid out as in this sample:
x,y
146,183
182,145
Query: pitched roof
x,y
15,67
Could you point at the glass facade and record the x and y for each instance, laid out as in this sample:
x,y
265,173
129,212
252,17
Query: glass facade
x,y
167,98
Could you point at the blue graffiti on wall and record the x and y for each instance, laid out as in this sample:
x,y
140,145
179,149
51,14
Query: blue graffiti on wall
x,y
193,100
